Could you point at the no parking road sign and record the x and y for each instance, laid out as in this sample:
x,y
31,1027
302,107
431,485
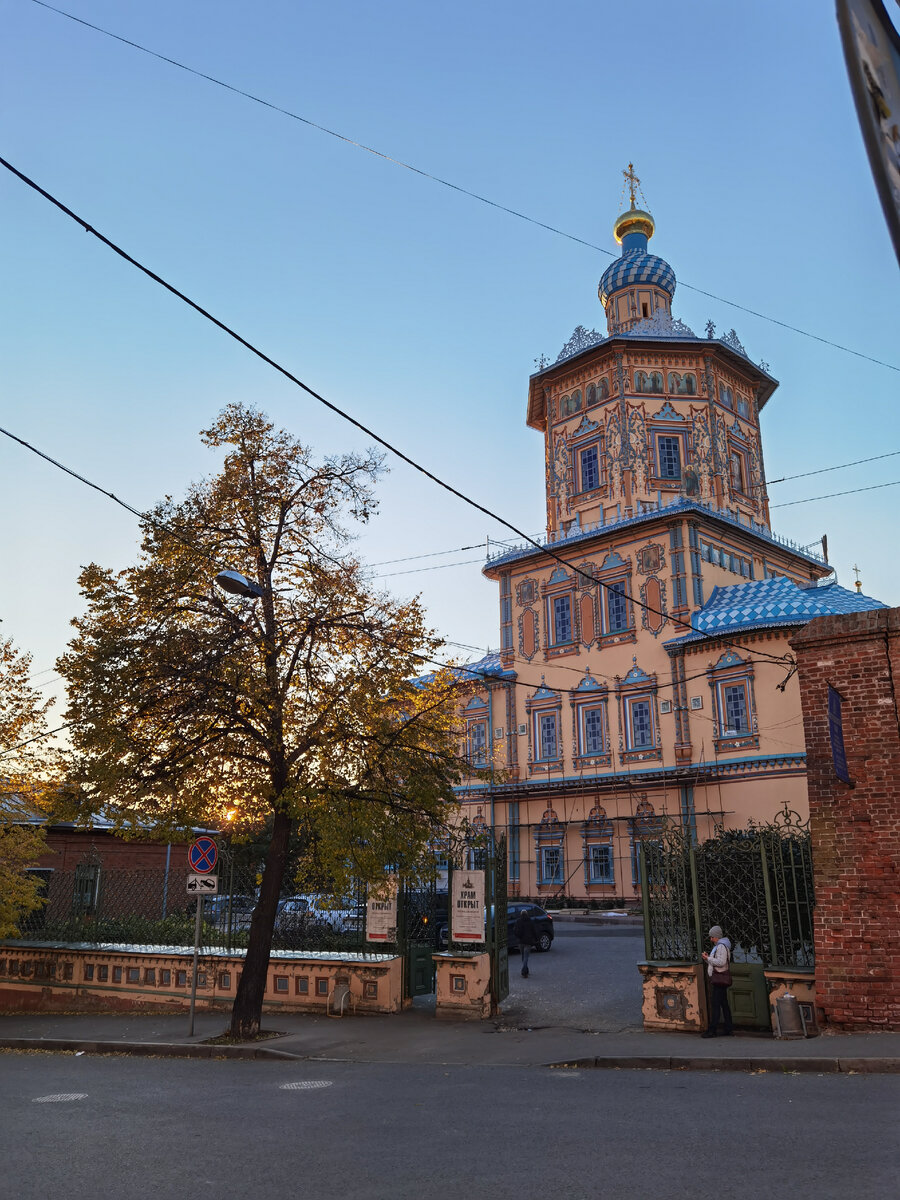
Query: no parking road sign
x,y
203,855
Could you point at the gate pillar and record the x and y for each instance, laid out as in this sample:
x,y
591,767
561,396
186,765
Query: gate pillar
x,y
463,986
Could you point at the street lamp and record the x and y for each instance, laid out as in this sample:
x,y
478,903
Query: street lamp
x,y
239,585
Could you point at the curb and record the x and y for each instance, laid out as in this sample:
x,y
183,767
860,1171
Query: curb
x,y
786,1065
149,1049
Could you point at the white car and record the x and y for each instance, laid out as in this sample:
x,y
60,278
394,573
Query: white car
x,y
319,913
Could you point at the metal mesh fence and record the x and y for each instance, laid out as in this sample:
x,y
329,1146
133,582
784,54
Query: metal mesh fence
x,y
98,904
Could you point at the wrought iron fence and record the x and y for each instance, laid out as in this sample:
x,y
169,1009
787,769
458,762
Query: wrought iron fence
x,y
757,883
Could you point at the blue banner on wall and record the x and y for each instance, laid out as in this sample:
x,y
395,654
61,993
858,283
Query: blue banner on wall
x,y
836,733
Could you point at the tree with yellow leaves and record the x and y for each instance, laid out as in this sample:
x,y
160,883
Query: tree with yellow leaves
x,y
297,710
28,771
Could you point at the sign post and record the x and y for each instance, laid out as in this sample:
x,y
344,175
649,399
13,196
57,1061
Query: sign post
x,y
202,856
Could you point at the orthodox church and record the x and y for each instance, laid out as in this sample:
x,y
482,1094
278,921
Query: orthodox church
x,y
644,667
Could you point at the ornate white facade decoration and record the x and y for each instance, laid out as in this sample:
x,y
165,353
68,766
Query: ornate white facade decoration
x,y
661,324
581,339
731,339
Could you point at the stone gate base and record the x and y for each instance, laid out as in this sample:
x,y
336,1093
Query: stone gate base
x,y
46,978
674,996
462,986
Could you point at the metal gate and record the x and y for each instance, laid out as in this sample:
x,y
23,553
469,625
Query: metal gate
x,y
757,883
418,935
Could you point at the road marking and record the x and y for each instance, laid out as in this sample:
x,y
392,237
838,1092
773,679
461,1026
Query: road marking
x,y
562,1073
306,1085
59,1097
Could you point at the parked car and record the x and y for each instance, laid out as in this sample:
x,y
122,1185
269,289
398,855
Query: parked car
x,y
322,914
543,926
222,911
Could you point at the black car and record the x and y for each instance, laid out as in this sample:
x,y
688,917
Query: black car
x,y
543,926
541,919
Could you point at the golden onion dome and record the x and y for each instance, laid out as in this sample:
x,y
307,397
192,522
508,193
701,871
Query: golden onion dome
x,y
635,220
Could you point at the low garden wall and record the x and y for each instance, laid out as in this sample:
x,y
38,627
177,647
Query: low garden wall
x,y
44,978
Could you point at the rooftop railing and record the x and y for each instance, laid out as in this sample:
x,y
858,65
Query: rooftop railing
x,y
643,508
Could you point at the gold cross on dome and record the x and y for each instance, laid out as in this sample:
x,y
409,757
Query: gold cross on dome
x,y
632,180
856,573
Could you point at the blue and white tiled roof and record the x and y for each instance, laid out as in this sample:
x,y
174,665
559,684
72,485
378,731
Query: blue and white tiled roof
x,y
636,267
771,602
489,667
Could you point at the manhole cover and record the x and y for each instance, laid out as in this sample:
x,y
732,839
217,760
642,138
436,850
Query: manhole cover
x,y
59,1098
306,1085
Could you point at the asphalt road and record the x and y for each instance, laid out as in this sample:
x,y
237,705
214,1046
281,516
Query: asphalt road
x,y
588,981
118,1128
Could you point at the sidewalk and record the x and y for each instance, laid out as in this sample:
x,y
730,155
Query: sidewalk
x,y
415,1036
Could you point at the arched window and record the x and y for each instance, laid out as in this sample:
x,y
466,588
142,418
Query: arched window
x,y
597,836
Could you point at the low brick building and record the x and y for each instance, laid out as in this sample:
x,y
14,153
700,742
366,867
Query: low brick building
x,y
849,668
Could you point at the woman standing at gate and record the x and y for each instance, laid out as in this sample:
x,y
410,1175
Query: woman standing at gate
x,y
718,966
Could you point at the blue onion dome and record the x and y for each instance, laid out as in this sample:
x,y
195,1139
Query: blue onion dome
x,y
633,230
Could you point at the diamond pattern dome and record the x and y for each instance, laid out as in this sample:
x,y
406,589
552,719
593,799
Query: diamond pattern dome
x,y
636,266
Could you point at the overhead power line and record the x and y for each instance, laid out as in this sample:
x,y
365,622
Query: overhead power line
x,y
286,112
840,467
466,562
547,550
389,562
831,495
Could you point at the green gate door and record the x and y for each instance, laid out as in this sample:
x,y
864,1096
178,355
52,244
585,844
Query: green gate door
x,y
416,936
420,969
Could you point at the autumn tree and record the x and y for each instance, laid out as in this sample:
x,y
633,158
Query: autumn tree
x,y
297,710
28,771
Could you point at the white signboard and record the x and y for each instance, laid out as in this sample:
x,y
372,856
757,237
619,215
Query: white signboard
x,y
204,885
467,906
381,916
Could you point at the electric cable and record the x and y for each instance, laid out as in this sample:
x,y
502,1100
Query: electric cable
x,y
543,549
840,467
832,495
443,182
466,562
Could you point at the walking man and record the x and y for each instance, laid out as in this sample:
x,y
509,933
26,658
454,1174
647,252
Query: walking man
x,y
526,937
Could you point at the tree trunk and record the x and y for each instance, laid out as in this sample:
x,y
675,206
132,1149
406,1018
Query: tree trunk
x,y
247,1011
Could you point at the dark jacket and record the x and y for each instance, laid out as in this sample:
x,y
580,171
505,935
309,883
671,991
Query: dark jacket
x,y
524,930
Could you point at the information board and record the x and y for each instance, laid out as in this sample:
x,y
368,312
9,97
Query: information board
x,y
467,906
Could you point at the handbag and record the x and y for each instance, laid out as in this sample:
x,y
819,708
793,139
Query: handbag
x,y
722,978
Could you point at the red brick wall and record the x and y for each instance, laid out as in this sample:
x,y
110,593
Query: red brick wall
x,y
855,830
67,848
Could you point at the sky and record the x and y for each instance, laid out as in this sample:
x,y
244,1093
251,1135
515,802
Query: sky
x,y
417,309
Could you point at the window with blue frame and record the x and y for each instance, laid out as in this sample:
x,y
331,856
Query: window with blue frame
x,y
477,743
561,609
590,468
616,607
550,864
547,740
593,730
639,723
513,858
600,864
735,710
668,451
506,634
